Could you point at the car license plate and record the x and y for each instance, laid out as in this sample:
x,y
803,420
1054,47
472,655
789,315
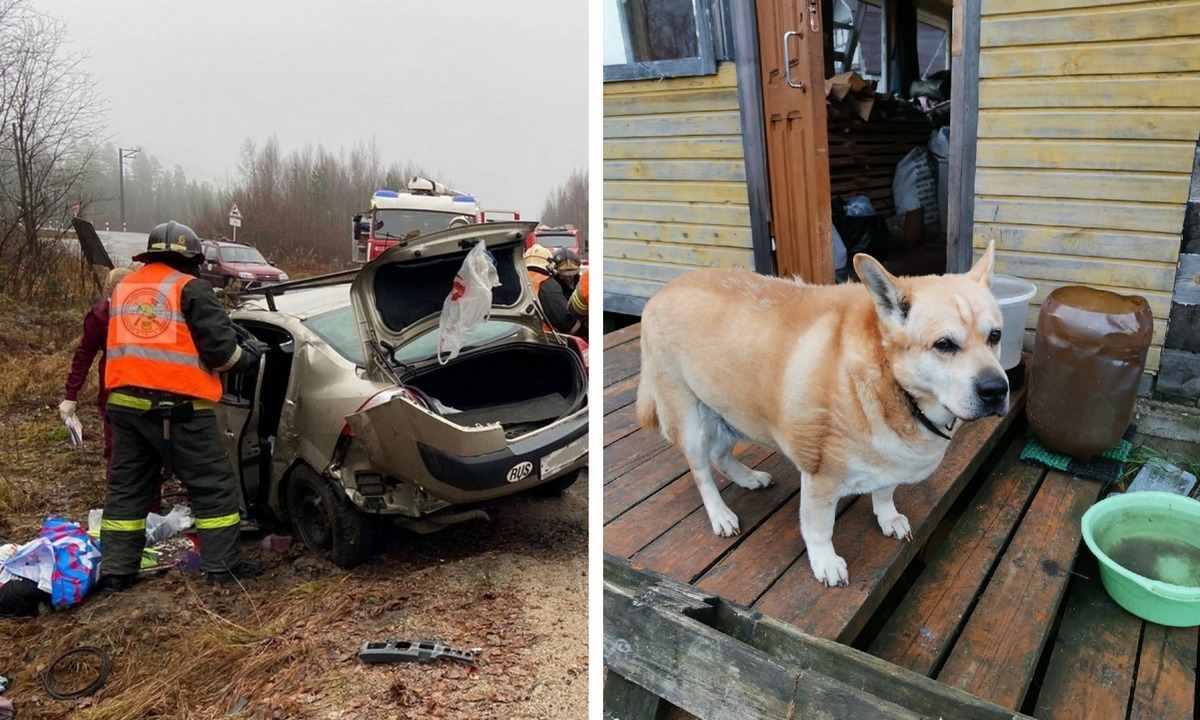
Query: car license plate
x,y
564,456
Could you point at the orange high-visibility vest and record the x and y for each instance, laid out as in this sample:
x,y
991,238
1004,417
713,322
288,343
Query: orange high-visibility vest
x,y
537,279
149,344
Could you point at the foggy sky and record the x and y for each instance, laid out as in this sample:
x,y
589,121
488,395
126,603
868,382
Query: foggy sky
x,y
491,96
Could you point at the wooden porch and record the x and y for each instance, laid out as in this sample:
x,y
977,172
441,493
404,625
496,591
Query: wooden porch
x,y
994,596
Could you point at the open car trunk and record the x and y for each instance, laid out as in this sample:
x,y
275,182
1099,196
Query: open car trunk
x,y
522,386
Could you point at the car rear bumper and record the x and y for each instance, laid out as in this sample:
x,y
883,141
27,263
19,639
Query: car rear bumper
x,y
525,463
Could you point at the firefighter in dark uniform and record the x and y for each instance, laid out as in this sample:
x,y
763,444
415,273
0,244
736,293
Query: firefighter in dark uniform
x,y
550,295
168,337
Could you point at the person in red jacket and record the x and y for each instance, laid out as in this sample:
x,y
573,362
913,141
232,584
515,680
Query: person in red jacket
x,y
91,344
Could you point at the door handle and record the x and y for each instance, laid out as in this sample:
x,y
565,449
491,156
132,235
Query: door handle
x,y
787,61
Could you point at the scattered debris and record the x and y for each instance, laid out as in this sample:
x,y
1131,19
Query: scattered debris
x,y
408,651
1164,477
277,543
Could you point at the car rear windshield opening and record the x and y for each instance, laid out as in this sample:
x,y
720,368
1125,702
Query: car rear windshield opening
x,y
408,292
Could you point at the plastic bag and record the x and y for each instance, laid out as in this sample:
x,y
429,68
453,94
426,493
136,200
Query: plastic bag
x,y
469,302
913,187
161,527
839,253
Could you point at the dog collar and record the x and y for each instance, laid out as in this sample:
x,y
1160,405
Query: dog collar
x,y
922,418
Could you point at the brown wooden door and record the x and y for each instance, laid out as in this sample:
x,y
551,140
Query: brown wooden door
x,y
797,139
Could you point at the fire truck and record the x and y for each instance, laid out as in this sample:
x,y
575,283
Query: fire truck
x,y
395,217
563,236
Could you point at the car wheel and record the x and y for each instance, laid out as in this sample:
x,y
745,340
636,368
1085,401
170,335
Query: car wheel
x,y
326,520
558,485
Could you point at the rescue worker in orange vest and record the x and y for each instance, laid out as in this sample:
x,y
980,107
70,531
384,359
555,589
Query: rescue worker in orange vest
x,y
579,301
550,295
168,338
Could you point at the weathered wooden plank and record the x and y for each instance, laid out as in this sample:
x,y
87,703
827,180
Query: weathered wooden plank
x,y
692,148
721,193
619,424
875,561
1156,55
927,620
627,453
674,102
1173,19
1008,7
1149,123
617,285
690,547
701,234
678,212
629,333
1092,666
732,170
705,673
1127,273
855,668
1104,215
624,700
695,256
725,77
686,125
622,360
1166,678
929,698
620,394
643,270
1149,247
1126,156
1084,184
995,656
1166,91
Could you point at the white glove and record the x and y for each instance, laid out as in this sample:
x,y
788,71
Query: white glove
x,y
66,409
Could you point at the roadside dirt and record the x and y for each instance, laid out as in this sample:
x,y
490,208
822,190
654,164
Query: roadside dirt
x,y
285,646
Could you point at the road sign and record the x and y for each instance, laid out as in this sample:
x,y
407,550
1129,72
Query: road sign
x,y
234,212
235,221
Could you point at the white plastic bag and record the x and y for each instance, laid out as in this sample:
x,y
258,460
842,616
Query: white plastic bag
x,y
913,187
469,302
161,527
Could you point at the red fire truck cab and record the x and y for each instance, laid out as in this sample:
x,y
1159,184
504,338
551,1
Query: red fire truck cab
x,y
563,236
396,217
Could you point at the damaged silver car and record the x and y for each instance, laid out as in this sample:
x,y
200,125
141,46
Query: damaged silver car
x,y
351,418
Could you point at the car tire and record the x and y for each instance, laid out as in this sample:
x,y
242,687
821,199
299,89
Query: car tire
x,y
326,520
558,485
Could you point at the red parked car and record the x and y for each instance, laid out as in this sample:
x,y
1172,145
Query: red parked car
x,y
226,261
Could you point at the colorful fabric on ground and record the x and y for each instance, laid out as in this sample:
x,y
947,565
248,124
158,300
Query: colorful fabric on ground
x,y
1105,467
76,561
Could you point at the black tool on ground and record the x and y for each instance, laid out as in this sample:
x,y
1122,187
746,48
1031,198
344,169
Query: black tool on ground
x,y
408,651
101,675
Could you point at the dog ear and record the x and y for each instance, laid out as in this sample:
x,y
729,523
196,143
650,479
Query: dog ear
x,y
981,271
891,303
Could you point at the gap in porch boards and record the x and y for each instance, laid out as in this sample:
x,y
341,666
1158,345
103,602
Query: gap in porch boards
x,y
911,573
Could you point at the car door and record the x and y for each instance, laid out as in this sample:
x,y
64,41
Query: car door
x,y
237,416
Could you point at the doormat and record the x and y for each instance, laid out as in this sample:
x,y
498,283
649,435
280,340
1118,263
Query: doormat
x,y
1105,467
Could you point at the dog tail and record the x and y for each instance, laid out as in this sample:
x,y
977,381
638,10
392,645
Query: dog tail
x,y
647,411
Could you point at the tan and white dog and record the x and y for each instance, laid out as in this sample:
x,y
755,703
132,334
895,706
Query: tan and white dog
x,y
860,385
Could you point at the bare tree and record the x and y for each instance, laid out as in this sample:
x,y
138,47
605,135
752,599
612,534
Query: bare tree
x,y
50,120
568,203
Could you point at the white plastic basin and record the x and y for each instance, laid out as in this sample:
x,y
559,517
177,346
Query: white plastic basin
x,y
1013,294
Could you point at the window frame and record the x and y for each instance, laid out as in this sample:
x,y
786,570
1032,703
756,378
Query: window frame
x,y
705,64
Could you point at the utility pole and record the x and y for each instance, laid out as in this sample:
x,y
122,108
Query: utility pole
x,y
124,154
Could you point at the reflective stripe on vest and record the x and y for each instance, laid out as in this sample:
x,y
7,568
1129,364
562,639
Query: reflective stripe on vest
x,y
149,343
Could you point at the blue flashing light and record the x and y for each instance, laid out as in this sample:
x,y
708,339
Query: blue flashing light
x,y
386,194
464,198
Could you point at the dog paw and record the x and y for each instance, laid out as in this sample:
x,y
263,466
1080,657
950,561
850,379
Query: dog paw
x,y
724,522
829,568
754,479
896,526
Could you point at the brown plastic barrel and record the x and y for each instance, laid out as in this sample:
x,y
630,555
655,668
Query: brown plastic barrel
x,y
1088,356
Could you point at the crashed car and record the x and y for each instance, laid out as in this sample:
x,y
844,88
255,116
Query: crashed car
x,y
351,419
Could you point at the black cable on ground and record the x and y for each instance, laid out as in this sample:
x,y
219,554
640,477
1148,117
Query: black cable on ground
x,y
105,667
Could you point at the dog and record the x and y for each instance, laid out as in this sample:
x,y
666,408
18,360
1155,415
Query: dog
x,y
860,385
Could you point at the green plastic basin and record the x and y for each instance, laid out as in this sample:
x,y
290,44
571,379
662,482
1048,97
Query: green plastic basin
x,y
1148,545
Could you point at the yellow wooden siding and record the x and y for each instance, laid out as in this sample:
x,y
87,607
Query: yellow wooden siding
x,y
1089,114
675,195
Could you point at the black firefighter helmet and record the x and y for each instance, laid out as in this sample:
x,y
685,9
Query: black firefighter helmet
x,y
172,239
